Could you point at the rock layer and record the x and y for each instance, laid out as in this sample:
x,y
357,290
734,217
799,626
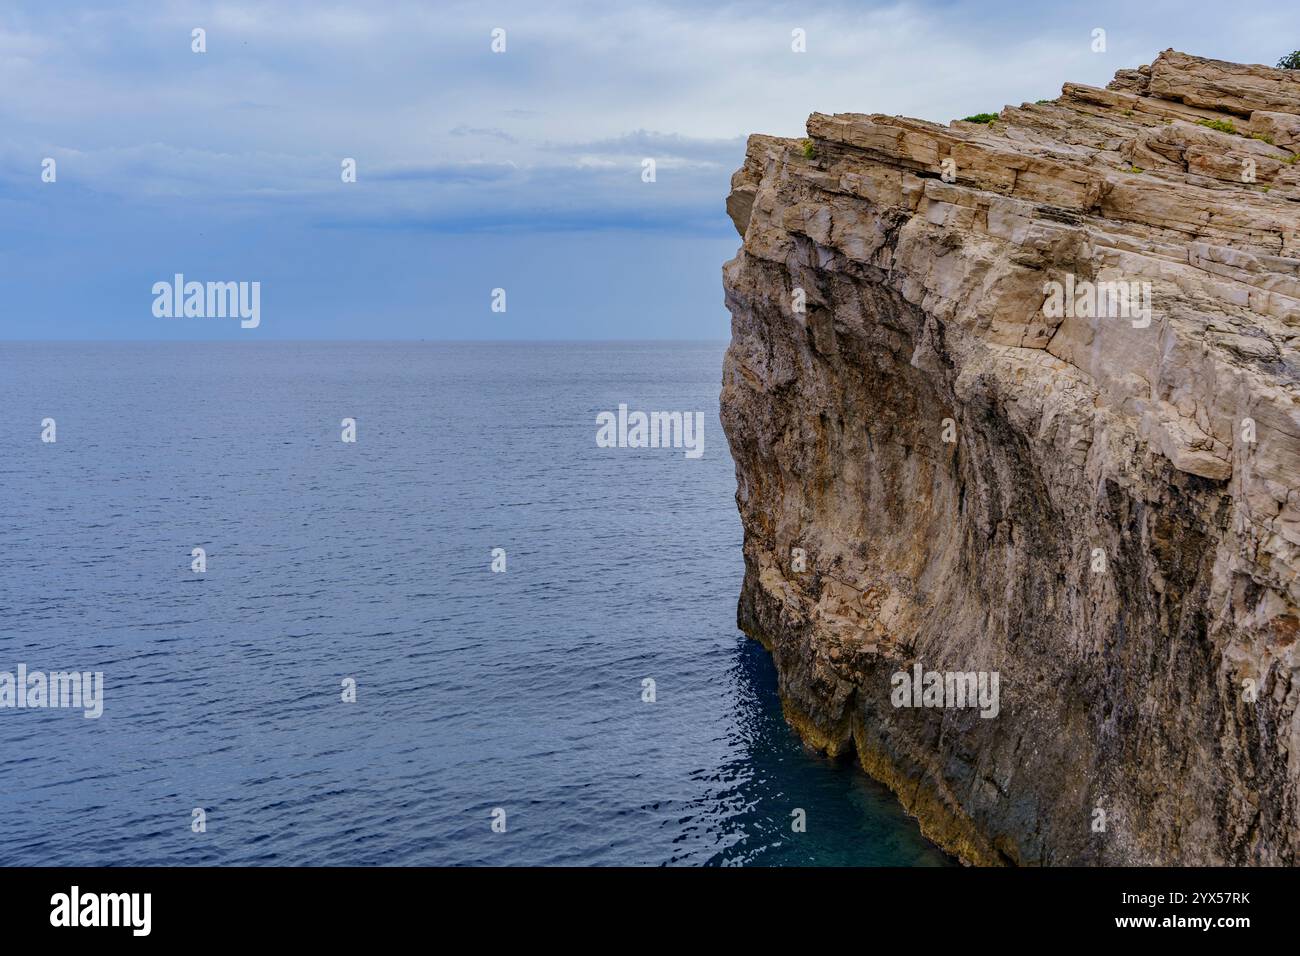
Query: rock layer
x,y
1112,524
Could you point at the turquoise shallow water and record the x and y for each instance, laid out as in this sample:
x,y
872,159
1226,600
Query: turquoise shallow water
x,y
371,560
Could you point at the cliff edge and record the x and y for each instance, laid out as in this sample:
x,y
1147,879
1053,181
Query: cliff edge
x,y
1020,401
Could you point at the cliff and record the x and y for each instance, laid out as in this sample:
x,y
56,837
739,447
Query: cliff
x,y
950,453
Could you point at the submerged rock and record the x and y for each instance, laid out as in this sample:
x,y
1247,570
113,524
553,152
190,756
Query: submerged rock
x,y
961,449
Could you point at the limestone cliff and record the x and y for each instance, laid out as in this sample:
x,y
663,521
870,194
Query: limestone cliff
x,y
1103,512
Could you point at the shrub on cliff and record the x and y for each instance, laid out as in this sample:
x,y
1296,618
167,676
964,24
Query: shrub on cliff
x,y
1223,126
1290,62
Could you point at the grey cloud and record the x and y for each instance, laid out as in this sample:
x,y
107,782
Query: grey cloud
x,y
489,132
723,152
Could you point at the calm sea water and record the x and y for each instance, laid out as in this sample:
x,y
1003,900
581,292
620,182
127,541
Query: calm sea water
x,y
371,561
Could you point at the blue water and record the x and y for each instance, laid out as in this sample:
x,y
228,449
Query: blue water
x,y
371,560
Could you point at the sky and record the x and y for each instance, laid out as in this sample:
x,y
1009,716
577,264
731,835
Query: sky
x,y
475,170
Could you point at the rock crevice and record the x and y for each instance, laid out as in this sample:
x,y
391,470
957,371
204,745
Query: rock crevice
x,y
936,466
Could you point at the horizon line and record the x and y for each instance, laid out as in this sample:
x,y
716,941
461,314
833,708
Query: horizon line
x,y
266,341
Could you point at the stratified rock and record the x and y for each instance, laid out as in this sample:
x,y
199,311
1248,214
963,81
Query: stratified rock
x,y
1113,527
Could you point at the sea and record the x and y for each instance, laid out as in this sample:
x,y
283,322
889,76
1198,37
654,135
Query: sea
x,y
470,636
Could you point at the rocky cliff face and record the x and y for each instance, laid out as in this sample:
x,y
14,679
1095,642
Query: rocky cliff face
x,y
949,455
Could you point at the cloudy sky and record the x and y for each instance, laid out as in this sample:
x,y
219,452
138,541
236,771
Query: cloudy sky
x,y
475,170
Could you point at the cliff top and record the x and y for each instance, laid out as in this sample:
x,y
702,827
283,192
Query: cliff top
x,y
1179,183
